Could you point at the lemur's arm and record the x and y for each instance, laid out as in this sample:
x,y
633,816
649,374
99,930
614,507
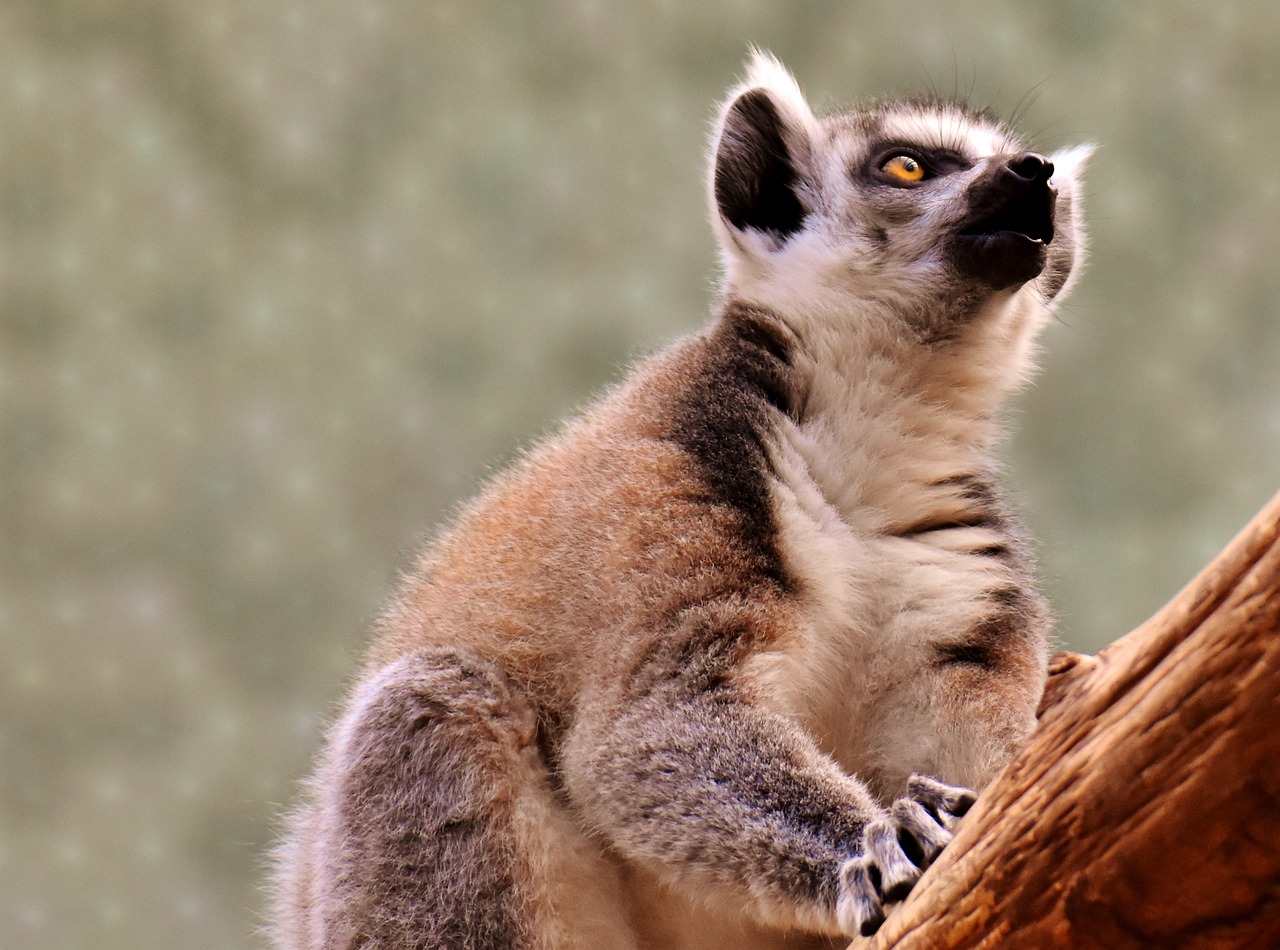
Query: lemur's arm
x,y
693,780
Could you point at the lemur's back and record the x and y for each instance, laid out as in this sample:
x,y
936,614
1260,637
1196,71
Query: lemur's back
x,y
666,683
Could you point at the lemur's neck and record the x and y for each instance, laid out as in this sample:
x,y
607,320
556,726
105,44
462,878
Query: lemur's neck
x,y
883,416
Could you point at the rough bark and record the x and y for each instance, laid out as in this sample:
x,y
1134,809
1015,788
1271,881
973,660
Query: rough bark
x,y
1144,812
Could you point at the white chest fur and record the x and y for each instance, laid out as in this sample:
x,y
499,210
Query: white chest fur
x,y
875,606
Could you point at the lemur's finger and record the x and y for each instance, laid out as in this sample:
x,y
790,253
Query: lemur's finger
x,y
922,830
948,802
859,908
897,871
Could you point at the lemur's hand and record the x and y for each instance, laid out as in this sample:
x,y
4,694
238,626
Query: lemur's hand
x,y
897,849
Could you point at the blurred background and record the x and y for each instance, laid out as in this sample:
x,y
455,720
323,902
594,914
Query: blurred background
x,y
283,281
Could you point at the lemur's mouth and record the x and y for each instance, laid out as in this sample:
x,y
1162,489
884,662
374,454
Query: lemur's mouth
x,y
1029,214
1003,240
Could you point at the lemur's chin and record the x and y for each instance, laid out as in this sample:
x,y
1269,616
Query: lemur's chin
x,y
1000,260
1005,243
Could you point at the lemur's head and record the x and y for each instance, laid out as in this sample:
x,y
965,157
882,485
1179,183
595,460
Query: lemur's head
x,y
922,218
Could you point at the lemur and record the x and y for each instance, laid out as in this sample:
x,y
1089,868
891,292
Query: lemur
x,y
722,662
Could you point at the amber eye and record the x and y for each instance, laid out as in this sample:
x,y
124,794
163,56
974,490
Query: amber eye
x,y
903,168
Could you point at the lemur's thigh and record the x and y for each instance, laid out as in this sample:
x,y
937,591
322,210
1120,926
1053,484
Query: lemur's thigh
x,y
437,825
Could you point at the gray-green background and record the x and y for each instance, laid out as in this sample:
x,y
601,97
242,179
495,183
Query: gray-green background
x,y
283,280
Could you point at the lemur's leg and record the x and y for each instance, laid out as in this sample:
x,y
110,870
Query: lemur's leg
x,y
435,826
703,788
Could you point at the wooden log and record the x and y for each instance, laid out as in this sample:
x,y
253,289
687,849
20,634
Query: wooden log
x,y
1144,811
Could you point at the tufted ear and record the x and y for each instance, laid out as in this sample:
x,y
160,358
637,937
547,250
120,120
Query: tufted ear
x,y
763,147
1067,253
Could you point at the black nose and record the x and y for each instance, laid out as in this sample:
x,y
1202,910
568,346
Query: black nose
x,y
1030,166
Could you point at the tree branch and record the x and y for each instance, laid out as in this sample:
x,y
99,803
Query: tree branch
x,y
1144,811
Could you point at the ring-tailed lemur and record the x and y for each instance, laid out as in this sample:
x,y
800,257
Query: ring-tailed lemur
x,y
676,678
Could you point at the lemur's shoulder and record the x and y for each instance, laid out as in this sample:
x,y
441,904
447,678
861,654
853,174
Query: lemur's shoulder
x,y
658,489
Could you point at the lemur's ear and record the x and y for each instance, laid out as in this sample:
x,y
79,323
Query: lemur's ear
x,y
763,147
